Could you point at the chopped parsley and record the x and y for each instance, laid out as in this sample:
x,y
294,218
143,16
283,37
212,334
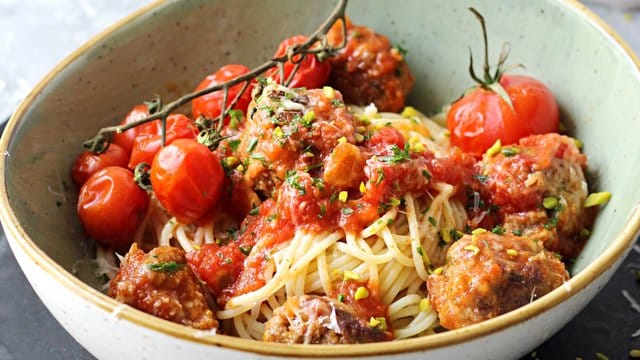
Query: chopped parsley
x,y
499,230
294,181
169,267
233,145
433,221
481,178
399,155
318,183
380,176
245,249
402,51
347,211
426,174
341,298
336,103
517,232
323,211
254,211
252,144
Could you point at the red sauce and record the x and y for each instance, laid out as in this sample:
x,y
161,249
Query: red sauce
x,y
366,308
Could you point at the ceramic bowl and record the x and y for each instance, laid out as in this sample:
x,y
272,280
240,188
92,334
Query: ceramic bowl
x,y
168,47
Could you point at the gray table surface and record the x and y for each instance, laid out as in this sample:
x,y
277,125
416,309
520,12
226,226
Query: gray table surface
x,y
37,34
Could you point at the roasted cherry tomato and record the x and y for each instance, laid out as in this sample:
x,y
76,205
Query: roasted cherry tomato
x,y
217,266
501,107
210,105
127,138
482,116
111,207
149,141
312,72
88,163
187,178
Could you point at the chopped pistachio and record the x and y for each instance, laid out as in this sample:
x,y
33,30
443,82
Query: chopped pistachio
x,y
473,248
550,202
494,149
361,293
329,92
478,231
595,199
349,275
425,305
409,112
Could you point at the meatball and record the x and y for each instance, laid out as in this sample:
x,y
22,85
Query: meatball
x,y
369,70
540,167
486,275
159,283
291,129
319,320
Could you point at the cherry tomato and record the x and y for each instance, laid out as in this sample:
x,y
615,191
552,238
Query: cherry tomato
x,y
127,138
111,207
217,266
149,141
87,163
481,117
312,72
187,178
210,105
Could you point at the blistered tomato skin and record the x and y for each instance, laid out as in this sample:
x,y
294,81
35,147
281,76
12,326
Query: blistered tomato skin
x,y
111,206
311,74
210,105
481,117
88,164
186,177
127,138
149,141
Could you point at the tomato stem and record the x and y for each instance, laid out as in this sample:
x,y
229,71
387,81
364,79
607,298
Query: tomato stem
x,y
488,81
101,141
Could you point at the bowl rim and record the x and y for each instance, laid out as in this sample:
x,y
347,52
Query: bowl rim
x,y
607,260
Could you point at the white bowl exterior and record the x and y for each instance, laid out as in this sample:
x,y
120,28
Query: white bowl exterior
x,y
123,339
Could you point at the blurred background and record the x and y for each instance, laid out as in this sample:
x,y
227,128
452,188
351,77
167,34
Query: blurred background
x,y
38,34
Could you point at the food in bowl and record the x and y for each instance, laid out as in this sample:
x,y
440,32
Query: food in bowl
x,y
310,220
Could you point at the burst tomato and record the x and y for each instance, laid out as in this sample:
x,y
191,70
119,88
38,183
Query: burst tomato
x,y
210,105
312,73
127,138
149,141
482,116
87,163
186,177
501,107
111,207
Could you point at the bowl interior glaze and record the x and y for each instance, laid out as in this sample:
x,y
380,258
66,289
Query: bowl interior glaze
x,y
170,48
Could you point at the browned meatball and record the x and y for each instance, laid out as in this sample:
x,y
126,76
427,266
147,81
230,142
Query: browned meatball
x,y
487,275
369,70
520,178
319,320
291,129
160,284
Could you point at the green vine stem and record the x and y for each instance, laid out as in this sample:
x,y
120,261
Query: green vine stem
x,y
490,82
157,110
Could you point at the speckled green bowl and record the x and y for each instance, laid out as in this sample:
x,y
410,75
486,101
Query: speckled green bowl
x,y
169,46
